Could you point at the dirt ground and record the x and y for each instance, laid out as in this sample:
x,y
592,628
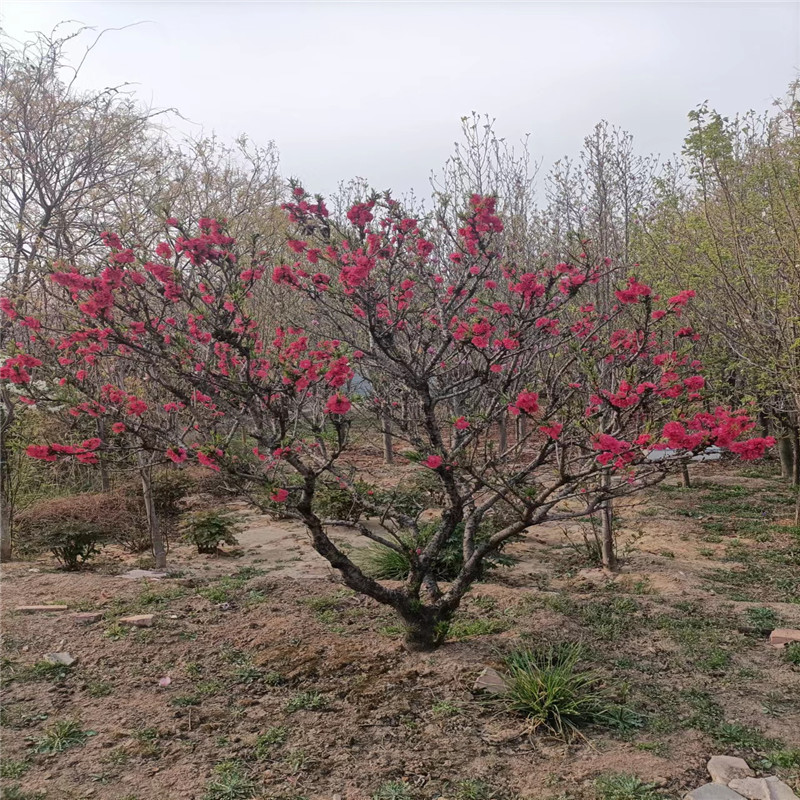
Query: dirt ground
x,y
283,684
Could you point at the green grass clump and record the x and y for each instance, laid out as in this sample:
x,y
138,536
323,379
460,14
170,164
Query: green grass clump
x,y
625,787
393,790
556,696
230,782
308,701
62,735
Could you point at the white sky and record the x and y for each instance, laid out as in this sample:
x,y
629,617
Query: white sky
x,y
376,89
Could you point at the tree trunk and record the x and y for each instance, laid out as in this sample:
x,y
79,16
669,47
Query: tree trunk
x,y
522,427
5,532
796,459
503,438
156,537
105,481
607,529
388,452
786,454
686,481
797,510
425,630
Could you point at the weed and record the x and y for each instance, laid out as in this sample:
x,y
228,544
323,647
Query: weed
x,y
782,759
267,741
41,671
763,619
14,792
393,790
625,787
115,631
308,701
444,708
471,789
99,689
13,769
791,653
62,735
230,782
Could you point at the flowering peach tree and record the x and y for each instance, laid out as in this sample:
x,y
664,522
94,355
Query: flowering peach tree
x,y
408,323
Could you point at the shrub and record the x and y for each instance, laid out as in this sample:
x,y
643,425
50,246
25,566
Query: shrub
x,y
75,527
209,529
546,686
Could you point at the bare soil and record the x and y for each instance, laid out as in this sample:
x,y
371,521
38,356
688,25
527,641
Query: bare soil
x,y
265,642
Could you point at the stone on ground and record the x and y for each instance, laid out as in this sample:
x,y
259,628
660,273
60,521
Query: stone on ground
x,y
87,617
134,574
39,609
713,791
724,769
60,658
138,620
491,682
784,636
763,788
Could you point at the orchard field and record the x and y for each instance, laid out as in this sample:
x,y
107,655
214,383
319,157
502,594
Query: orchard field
x,y
284,684
489,496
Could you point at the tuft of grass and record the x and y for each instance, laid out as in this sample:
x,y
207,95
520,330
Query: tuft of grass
x,y
621,786
308,701
463,628
267,741
13,769
546,686
791,653
393,790
472,789
383,563
62,735
763,619
231,781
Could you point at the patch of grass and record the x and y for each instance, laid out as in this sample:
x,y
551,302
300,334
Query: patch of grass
x,y
763,619
231,781
185,700
11,768
791,653
463,628
472,789
60,736
444,708
266,742
148,741
781,759
611,619
307,701
548,688
393,790
115,631
99,689
15,792
622,786
744,737
41,671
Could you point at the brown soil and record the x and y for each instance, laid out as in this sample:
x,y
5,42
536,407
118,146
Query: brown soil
x,y
240,650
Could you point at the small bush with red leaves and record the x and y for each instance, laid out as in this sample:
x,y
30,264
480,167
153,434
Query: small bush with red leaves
x,y
75,528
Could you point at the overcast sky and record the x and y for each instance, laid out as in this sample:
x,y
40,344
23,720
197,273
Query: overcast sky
x,y
376,89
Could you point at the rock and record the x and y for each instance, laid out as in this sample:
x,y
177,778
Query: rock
x,y
783,636
60,658
713,791
87,617
135,574
138,620
490,681
723,769
39,609
763,788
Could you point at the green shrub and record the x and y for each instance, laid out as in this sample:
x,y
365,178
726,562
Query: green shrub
x,y
209,529
546,686
72,543
791,652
